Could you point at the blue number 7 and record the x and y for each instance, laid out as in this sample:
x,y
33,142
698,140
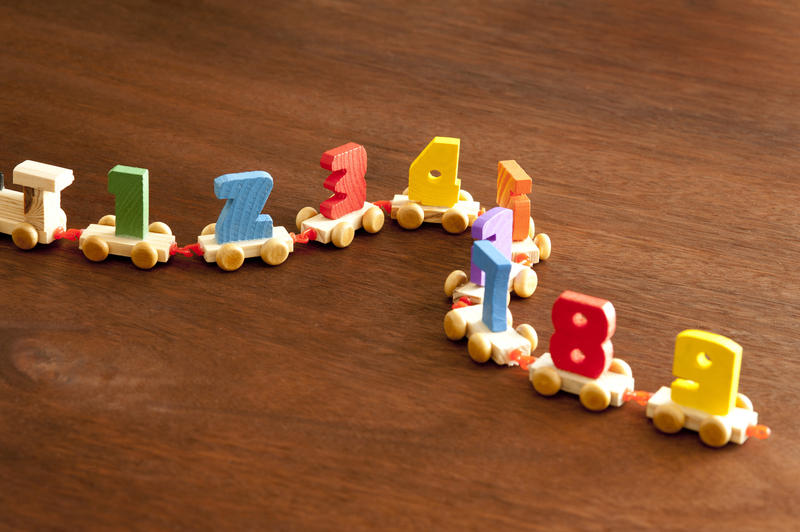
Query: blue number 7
x,y
240,219
497,268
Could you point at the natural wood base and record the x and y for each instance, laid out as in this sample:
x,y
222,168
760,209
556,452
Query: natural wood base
x,y
614,383
123,246
250,248
475,291
434,214
735,423
326,228
502,343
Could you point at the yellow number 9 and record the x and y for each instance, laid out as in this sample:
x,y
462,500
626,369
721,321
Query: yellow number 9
x,y
707,369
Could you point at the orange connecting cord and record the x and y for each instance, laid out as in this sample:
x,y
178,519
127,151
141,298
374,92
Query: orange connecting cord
x,y
524,361
462,302
639,396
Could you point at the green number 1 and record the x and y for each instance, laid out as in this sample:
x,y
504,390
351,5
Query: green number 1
x,y
129,186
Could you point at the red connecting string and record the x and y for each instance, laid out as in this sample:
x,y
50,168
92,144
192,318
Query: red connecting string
x,y
305,237
186,251
69,234
386,205
639,396
759,432
462,302
524,361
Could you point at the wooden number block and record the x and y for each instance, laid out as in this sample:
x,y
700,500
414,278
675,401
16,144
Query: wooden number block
x,y
130,187
497,269
433,176
348,164
513,185
246,194
615,384
707,368
495,227
583,326
511,179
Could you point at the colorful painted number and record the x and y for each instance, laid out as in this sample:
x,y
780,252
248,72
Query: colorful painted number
x,y
497,268
494,226
348,164
513,185
707,369
241,217
433,176
583,326
130,187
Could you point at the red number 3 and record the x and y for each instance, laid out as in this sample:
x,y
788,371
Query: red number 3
x,y
583,328
349,166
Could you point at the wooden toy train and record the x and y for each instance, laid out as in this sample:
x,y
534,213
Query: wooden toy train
x,y
704,396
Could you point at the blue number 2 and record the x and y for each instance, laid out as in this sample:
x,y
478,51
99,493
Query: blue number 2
x,y
497,268
240,219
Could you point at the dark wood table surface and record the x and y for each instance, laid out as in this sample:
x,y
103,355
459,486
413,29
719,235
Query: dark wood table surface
x,y
664,143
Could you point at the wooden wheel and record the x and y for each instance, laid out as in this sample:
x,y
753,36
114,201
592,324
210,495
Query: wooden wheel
x,y
159,227
546,381
594,397
95,248
531,228
144,255
529,333
210,229
453,281
455,221
668,418
304,214
542,242
455,326
274,251
372,221
230,257
742,401
463,195
108,219
410,216
620,366
479,347
342,235
63,218
25,236
525,283
714,432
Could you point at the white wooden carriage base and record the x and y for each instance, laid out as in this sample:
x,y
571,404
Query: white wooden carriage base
x,y
475,291
251,248
324,226
614,384
525,248
502,343
123,245
735,423
434,214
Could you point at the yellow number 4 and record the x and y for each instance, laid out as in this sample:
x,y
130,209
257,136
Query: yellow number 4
x,y
433,176
707,369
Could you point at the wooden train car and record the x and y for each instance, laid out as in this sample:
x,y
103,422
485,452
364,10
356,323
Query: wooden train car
x,y
33,215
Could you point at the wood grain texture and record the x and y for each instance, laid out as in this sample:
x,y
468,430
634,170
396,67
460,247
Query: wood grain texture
x,y
322,394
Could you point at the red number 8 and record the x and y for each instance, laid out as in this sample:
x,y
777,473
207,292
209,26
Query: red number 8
x,y
583,327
